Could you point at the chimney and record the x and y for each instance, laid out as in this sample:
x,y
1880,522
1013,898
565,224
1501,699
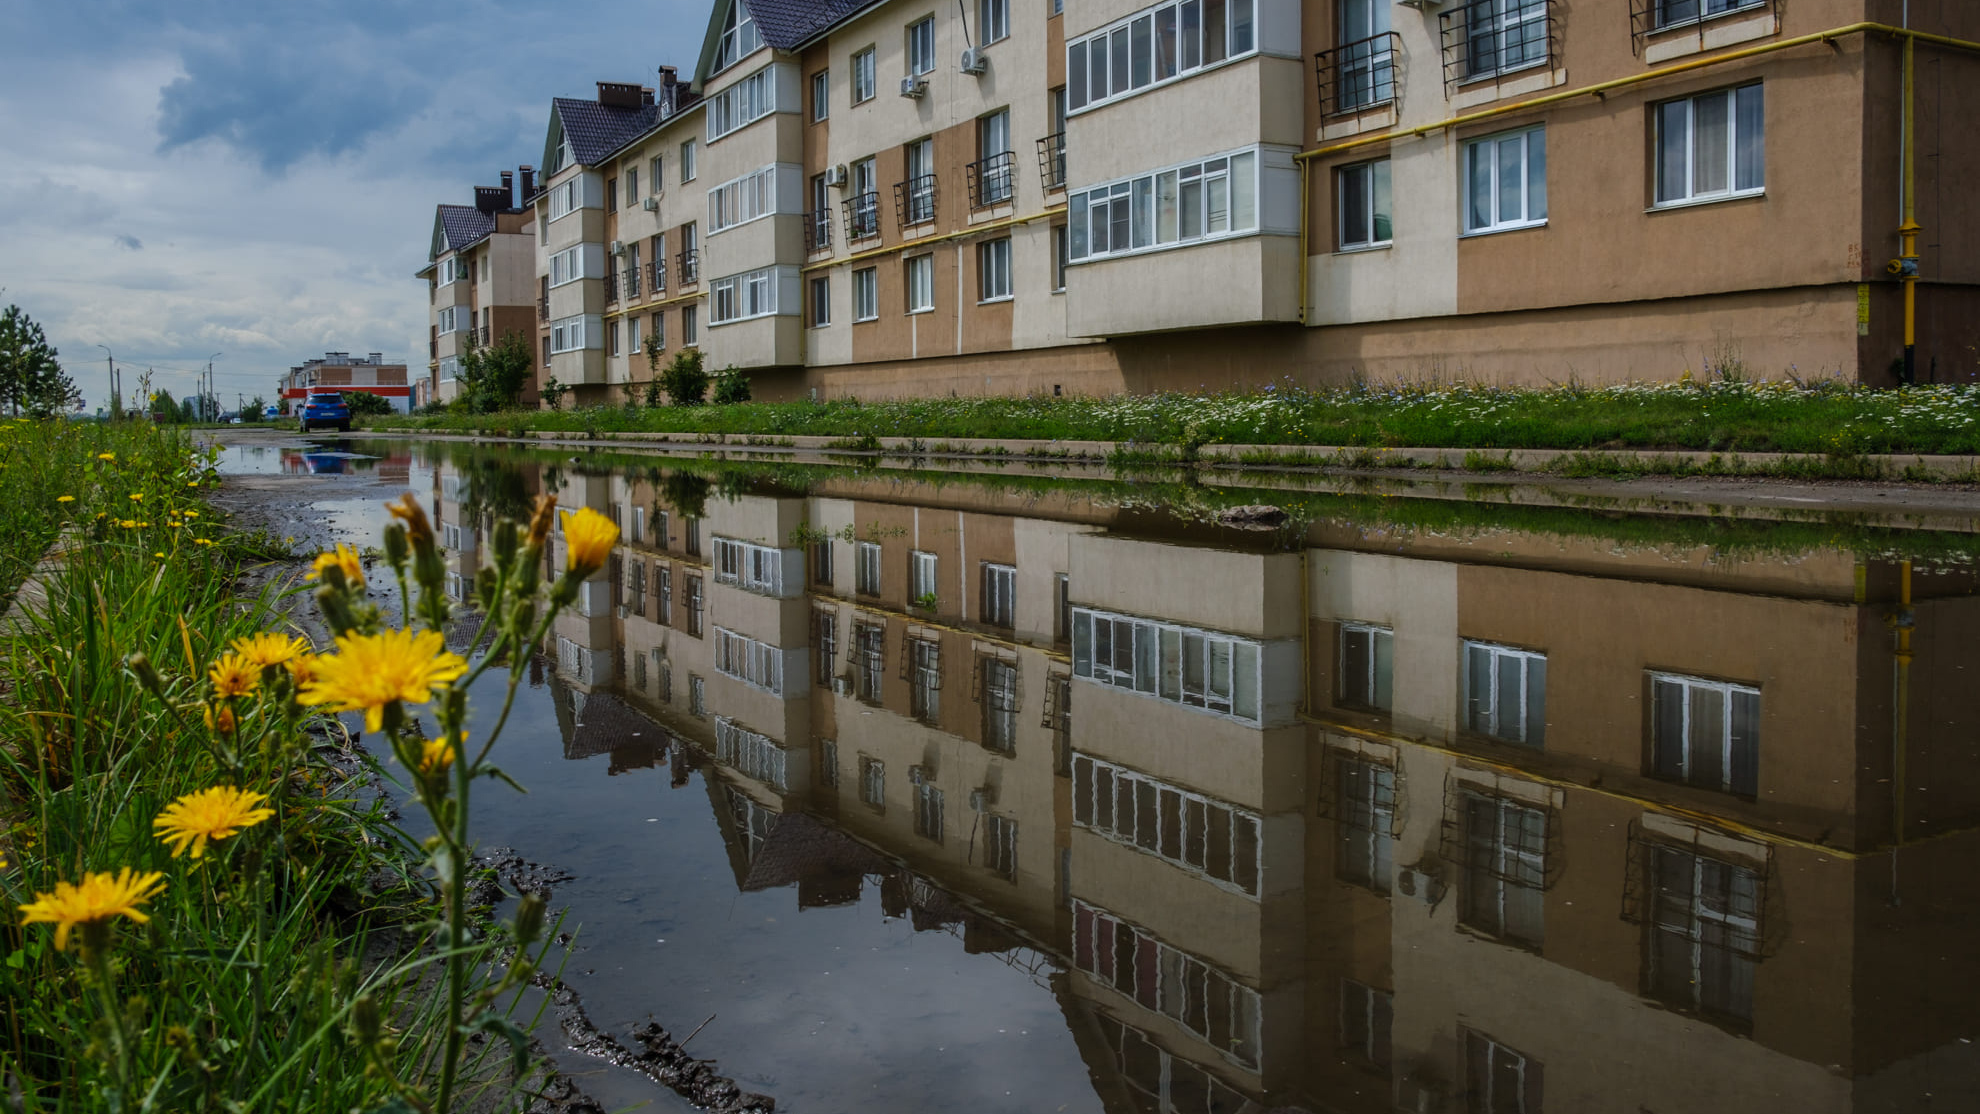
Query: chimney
x,y
618,94
508,190
645,94
528,174
378,357
669,79
490,199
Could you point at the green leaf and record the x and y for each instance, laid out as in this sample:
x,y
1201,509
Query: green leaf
x,y
395,1105
492,1022
491,770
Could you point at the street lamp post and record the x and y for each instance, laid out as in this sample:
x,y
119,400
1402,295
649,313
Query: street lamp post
x,y
209,393
111,359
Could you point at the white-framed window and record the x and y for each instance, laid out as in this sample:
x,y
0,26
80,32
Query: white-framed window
x,y
690,333
757,664
925,679
751,566
455,319
1058,7
1505,181
663,587
612,337
1704,932
745,102
999,594
631,175
739,38
750,753
866,294
1363,193
1505,869
1155,46
993,270
569,334
928,811
1712,146
1497,1079
741,200
687,161
1705,733
818,302
1366,667
567,266
1118,953
1000,703
921,46
563,199
741,297
821,95
863,76
1367,1015
1505,692
1061,256
919,273
1000,846
1207,837
825,643
450,368
923,581
1365,818
869,660
872,782
1199,669
996,174
993,20
659,329
1504,35
1676,13
697,696
1185,204
632,340
656,175
866,569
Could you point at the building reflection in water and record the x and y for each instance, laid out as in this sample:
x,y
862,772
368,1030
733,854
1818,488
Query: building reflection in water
x,y
1353,820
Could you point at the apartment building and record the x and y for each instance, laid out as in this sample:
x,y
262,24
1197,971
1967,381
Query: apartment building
x,y
370,374
480,274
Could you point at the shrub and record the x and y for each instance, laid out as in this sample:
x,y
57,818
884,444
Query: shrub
x,y
685,380
731,386
364,402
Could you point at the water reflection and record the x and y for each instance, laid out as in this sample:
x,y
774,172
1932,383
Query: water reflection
x,y
1350,817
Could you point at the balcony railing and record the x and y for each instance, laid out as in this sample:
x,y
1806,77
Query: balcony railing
x,y
862,212
630,280
1052,161
1487,38
914,200
687,264
1649,17
990,179
1358,76
480,335
433,349
543,308
656,276
818,230
611,286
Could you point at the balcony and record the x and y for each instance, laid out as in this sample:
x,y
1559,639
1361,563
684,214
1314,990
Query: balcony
x,y
611,286
1651,17
630,281
656,276
1052,161
1491,38
480,335
818,230
991,180
914,201
543,308
687,265
862,212
1359,76
433,349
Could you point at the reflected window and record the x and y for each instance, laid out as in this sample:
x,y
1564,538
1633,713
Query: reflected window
x,y
999,595
636,587
1200,669
663,589
1366,667
693,544
1498,1080
873,783
825,637
928,811
1204,836
661,535
1367,809
757,664
697,696
1705,933
867,572
925,679
1000,704
1172,1083
1202,999
1366,1014
749,753
666,683
1062,599
1000,846
1505,692
691,590
869,649
1705,733
1505,869
828,762
921,579
821,562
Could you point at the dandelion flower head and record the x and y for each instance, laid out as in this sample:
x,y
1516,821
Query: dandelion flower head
x,y
97,898
590,537
370,671
268,648
343,557
213,814
233,675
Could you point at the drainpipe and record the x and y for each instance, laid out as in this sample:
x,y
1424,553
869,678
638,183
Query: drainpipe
x,y
1305,223
1905,266
1902,623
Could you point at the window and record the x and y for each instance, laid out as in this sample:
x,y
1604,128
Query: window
x,y
1498,1080
632,185
1506,181
1505,693
611,195
569,334
1062,593
693,542
866,295
821,94
999,594
1366,1016
1505,864
866,572
996,164
928,812
749,753
919,199
993,270
751,566
819,304
455,319
1000,704
1216,1007
1712,146
566,266
828,762
741,297
1179,205
687,161
1705,733
745,102
638,531
697,696
1675,13
1366,667
656,175
612,337
1000,846
1704,934
1504,35
821,562
757,664
873,782
691,599
922,579
563,199
920,280
925,679
863,207
863,80
1156,46
689,334
1365,813
745,199
1202,835
663,591
739,38
921,46
825,637
1364,205
1061,255
993,20
662,535
450,366
1199,669
657,329
869,659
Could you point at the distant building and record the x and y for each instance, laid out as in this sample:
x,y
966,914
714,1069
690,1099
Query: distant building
x,y
480,280
345,372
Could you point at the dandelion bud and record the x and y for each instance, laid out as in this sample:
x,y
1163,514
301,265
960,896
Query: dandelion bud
x,y
529,919
365,1024
407,510
147,673
336,607
540,521
505,541
397,548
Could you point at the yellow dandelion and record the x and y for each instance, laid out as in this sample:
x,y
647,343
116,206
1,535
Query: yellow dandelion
x,y
268,648
96,899
343,557
213,814
106,456
158,555
234,675
65,499
436,756
302,669
202,541
190,514
371,671
137,496
590,537
222,721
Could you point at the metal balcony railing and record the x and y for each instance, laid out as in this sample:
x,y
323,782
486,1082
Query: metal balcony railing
x,y
481,336
433,349
991,179
1052,161
914,200
1358,76
611,286
1487,38
1649,17
656,276
862,213
818,230
630,280
687,264
543,308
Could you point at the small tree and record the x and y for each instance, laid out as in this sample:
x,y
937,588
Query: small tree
x,y
364,402
686,382
164,408
492,378
553,393
731,386
30,378
254,409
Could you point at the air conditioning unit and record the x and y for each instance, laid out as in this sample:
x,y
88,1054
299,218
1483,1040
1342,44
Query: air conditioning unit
x,y
835,176
980,800
919,775
974,61
842,686
618,247
651,204
1421,884
913,86
625,612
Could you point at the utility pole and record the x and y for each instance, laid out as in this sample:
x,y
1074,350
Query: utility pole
x,y
110,358
208,394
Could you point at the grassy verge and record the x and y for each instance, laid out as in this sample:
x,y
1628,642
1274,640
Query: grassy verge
x,y
1726,414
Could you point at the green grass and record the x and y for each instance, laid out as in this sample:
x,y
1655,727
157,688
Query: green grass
x,y
1726,415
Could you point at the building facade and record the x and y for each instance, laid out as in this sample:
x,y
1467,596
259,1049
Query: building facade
x,y
370,374
480,279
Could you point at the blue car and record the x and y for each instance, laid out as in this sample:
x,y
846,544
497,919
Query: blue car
x,y
325,411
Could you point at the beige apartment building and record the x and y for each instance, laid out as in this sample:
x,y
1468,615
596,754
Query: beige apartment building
x,y
371,374
480,274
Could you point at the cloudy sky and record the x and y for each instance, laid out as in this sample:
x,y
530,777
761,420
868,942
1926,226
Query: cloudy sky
x,y
258,179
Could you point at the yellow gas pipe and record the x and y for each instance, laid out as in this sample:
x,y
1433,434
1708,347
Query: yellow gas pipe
x,y
1905,266
1901,699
